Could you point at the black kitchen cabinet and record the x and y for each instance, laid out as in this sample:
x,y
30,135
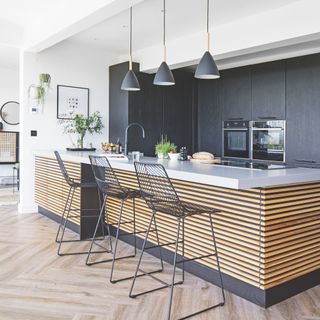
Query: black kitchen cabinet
x,y
178,110
167,111
303,109
118,102
146,108
268,91
209,116
236,94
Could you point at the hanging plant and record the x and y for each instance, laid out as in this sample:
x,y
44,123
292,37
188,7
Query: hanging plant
x,y
38,92
45,80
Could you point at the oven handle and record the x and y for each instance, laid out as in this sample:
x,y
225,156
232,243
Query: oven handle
x,y
266,118
235,129
305,161
267,129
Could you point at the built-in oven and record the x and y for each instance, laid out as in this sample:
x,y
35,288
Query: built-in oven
x,y
236,139
268,140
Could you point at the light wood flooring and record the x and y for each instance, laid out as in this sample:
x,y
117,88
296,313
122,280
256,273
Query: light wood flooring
x,y
37,284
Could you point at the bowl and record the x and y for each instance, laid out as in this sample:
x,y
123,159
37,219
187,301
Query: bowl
x,y
174,156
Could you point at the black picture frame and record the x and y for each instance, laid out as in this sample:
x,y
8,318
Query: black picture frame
x,y
60,87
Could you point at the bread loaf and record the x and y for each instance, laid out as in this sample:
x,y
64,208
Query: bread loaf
x,y
203,156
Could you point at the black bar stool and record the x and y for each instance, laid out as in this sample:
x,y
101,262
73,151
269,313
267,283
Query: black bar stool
x,y
69,212
110,186
160,195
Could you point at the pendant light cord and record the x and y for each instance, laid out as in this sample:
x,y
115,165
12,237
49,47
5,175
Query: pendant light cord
x,y
130,43
208,33
164,31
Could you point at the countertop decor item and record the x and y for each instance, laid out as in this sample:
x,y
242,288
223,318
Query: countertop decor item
x,y
174,156
82,125
72,100
164,76
163,148
207,68
130,81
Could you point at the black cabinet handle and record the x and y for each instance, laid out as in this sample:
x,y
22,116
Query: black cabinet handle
x,y
235,118
266,118
305,161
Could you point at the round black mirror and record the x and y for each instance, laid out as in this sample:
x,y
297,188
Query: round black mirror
x,y
10,112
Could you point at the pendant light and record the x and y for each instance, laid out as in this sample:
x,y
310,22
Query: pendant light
x,y
130,81
207,68
164,76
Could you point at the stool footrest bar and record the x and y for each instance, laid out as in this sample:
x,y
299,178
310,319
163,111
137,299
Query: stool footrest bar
x,y
161,245
221,304
139,275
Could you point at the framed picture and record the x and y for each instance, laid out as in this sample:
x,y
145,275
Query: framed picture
x,y
72,99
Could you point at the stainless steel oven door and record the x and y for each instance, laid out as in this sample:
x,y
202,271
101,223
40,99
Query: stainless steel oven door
x,y
236,143
268,144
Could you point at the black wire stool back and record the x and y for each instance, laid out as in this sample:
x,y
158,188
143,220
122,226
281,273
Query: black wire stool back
x,y
63,169
157,190
106,179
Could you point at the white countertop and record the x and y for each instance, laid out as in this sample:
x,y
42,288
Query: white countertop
x,y
216,175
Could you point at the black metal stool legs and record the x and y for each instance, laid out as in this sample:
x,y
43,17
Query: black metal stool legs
x,y
220,278
179,234
64,218
150,274
174,268
66,207
218,263
99,222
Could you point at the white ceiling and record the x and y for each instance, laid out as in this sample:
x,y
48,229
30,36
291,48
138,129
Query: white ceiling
x,y
31,12
183,17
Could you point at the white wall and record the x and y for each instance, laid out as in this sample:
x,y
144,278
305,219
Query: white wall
x,y
68,64
9,90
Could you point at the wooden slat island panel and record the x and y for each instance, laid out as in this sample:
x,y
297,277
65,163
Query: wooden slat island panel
x,y
266,237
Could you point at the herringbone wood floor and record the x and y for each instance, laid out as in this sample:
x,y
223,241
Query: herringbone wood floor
x,y
37,284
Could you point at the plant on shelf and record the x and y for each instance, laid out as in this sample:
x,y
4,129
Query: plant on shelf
x,y
38,92
82,125
163,148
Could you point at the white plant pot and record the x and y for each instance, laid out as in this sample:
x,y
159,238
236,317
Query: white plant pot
x,y
162,156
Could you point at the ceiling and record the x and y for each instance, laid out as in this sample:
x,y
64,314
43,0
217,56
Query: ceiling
x,y
31,12
183,17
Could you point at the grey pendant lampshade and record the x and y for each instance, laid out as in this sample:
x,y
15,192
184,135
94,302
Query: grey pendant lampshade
x,y
207,68
164,76
130,81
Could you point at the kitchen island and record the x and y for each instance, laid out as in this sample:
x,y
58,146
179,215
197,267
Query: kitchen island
x,y
267,231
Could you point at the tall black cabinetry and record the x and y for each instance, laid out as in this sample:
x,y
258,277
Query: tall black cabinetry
x,y
268,90
167,111
303,109
209,116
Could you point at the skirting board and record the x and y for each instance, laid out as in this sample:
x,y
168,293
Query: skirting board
x,y
70,225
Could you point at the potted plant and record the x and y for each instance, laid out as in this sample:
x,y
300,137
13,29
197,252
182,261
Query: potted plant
x,y
163,148
38,92
82,125
45,80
